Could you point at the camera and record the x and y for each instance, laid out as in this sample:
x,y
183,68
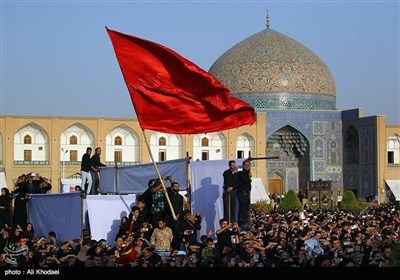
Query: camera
x,y
337,260
350,250
168,178
190,231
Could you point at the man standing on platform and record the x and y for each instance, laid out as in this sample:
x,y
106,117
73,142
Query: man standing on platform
x,y
86,166
243,195
95,171
229,196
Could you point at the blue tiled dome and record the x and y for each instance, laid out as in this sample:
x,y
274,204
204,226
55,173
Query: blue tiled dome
x,y
269,70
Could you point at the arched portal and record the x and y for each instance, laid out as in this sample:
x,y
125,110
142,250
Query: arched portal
x,y
293,164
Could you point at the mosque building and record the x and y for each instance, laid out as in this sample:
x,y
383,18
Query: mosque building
x,y
298,127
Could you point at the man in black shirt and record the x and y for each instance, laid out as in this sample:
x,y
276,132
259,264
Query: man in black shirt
x,y
95,170
243,195
177,204
224,236
229,196
86,165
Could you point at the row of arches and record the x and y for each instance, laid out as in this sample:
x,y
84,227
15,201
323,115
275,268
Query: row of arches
x,y
122,145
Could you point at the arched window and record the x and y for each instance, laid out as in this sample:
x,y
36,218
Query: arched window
x,y
244,146
27,139
162,141
73,140
204,142
118,141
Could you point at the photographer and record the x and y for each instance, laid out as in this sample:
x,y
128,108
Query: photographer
x,y
189,225
18,185
42,184
224,235
29,186
159,205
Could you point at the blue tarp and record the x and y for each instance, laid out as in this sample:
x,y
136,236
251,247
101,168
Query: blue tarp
x,y
134,178
60,213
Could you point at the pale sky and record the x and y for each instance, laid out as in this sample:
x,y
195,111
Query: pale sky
x,y
57,60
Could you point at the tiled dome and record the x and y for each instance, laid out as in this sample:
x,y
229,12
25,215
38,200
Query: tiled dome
x,y
269,70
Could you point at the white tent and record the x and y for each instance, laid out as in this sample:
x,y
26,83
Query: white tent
x,y
394,186
258,191
3,182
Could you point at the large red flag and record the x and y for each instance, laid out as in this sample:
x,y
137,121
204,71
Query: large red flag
x,y
173,95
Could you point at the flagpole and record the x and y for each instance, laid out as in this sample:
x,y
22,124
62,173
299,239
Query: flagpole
x,y
159,176
82,215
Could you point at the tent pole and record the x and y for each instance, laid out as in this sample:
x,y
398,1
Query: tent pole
x,y
82,214
116,178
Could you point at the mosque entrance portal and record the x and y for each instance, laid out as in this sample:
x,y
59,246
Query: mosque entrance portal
x,y
293,165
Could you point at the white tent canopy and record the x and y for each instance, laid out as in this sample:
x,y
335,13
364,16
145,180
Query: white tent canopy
x,y
3,182
258,192
394,186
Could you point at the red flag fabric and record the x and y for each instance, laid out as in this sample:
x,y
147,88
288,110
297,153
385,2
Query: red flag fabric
x,y
128,254
173,95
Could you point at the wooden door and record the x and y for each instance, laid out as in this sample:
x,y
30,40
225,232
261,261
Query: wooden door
x,y
275,186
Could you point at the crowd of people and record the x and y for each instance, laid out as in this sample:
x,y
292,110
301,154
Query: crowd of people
x,y
161,232
298,238
24,187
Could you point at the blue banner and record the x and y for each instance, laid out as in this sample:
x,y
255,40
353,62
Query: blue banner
x,y
60,213
134,178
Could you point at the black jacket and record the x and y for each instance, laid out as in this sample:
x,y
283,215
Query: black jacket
x,y
230,179
244,181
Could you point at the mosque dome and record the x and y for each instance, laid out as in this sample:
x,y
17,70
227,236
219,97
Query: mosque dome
x,y
269,70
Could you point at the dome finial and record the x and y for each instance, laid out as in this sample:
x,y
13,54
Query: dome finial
x,y
267,19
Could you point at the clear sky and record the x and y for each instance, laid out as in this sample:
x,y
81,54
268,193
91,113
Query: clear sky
x,y
57,59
